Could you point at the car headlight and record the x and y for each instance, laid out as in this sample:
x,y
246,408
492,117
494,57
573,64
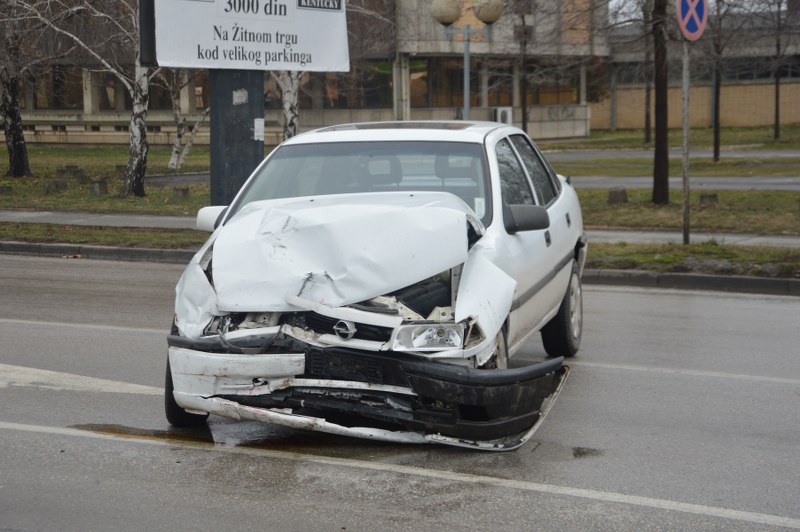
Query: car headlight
x,y
429,337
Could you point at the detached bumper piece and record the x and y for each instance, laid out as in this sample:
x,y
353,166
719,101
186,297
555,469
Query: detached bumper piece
x,y
402,398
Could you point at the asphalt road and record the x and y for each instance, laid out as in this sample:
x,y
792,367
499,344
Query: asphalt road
x,y
682,412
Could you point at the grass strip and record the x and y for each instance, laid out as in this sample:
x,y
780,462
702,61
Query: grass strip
x,y
709,257
128,237
765,212
40,194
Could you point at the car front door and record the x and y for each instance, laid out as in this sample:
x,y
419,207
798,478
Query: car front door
x,y
528,255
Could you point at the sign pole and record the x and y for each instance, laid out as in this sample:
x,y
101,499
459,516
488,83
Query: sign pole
x,y
692,18
237,41
686,200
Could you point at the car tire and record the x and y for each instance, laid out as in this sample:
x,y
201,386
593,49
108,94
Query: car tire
x,y
562,334
177,416
499,359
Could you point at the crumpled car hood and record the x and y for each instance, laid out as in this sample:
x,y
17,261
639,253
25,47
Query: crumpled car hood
x,y
336,250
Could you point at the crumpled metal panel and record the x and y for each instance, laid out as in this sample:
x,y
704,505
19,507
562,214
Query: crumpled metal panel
x,y
485,294
195,301
335,250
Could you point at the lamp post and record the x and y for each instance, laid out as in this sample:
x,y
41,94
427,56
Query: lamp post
x,y
448,11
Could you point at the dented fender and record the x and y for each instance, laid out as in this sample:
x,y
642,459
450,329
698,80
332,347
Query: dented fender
x,y
485,294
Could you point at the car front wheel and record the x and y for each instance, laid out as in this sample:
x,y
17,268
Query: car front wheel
x,y
562,335
177,416
499,359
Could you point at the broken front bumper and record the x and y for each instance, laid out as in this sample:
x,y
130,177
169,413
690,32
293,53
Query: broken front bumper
x,y
384,396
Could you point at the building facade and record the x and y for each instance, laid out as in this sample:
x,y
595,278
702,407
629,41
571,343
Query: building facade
x,y
579,76
404,67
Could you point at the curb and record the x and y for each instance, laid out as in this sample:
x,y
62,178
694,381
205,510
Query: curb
x,y
77,251
646,279
694,281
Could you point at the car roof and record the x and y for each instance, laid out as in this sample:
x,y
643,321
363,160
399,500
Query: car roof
x,y
427,131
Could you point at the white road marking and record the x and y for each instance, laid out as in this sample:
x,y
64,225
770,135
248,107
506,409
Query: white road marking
x,y
687,372
56,380
601,496
99,327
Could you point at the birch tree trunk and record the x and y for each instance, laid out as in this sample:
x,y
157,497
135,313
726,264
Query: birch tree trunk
x,y
289,82
192,135
18,163
180,128
137,158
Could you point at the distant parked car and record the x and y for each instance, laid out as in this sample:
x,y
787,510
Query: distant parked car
x,y
373,280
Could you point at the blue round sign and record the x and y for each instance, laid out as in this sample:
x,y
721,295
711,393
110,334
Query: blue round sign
x,y
692,17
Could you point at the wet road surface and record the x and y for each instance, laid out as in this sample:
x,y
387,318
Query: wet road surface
x,y
682,412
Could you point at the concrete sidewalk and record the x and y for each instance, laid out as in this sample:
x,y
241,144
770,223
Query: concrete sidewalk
x,y
188,222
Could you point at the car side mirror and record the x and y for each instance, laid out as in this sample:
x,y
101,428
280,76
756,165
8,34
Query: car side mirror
x,y
208,218
518,218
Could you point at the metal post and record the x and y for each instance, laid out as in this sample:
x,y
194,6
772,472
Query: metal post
x,y
467,60
686,141
466,33
237,146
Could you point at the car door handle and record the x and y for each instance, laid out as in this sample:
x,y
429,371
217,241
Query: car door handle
x,y
547,238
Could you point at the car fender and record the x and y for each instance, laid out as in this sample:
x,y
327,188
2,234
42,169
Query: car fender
x,y
485,293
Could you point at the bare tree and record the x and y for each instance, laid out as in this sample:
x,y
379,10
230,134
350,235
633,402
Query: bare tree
x,y
107,31
368,23
661,67
24,49
12,70
782,21
289,83
647,16
725,24
174,81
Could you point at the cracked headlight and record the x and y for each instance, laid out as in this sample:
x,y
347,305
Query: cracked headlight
x,y
429,337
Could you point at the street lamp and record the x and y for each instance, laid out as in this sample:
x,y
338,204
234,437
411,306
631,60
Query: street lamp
x,y
448,11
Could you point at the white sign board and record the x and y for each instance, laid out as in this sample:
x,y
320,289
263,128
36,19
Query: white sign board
x,y
301,35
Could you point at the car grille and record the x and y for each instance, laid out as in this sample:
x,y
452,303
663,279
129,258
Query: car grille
x,y
324,325
343,366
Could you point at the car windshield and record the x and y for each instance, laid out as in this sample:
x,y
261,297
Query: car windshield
x,y
353,167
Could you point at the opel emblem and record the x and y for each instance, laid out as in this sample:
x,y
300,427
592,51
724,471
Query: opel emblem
x,y
344,329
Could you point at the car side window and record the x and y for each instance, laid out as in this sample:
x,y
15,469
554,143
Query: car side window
x,y
536,169
516,189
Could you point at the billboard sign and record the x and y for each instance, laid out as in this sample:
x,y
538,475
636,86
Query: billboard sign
x,y
300,35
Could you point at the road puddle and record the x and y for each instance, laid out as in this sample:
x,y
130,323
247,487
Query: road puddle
x,y
253,435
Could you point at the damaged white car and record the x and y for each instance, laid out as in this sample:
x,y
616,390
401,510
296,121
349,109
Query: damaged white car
x,y
373,280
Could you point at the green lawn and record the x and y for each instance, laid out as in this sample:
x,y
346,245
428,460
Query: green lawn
x,y
766,212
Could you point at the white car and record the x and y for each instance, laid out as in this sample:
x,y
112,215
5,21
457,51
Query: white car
x,y
373,280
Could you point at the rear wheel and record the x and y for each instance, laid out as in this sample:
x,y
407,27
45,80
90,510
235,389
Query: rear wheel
x,y
562,335
177,416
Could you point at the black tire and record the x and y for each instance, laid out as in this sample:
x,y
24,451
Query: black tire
x,y
177,416
562,335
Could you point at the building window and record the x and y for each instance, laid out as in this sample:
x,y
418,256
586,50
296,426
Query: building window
x,y
61,87
367,85
418,72
501,83
113,95
446,77
202,90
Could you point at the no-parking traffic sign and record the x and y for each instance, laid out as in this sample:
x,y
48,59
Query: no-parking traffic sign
x,y
692,17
